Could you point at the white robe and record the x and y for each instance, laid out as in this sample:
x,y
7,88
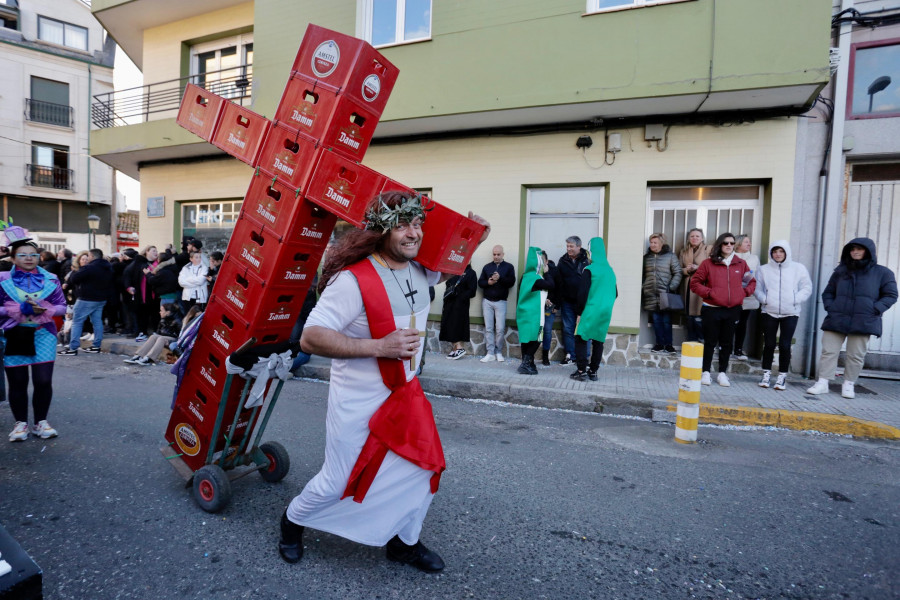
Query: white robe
x,y
398,500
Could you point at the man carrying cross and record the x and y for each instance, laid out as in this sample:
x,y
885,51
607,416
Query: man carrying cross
x,y
383,457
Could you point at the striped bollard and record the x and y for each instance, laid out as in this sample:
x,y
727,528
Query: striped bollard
x,y
689,393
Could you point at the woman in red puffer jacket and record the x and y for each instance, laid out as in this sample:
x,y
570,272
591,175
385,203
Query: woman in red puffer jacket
x,y
719,281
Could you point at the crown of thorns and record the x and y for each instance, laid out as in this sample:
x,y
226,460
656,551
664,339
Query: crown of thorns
x,y
382,217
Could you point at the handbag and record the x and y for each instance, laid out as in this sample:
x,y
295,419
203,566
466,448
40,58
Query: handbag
x,y
750,303
671,302
20,341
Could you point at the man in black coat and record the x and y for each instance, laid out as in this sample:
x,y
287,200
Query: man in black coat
x,y
857,295
569,268
496,279
95,283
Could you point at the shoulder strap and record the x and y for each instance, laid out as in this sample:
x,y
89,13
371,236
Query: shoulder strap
x,y
380,317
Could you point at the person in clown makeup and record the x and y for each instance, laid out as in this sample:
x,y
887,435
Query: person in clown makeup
x,y
29,299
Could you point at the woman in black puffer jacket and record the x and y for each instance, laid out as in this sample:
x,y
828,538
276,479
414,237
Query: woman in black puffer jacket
x,y
858,293
662,273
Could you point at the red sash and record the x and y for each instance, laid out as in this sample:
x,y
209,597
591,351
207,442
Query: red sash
x,y
404,424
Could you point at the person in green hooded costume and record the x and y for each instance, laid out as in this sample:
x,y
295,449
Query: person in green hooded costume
x,y
533,288
596,296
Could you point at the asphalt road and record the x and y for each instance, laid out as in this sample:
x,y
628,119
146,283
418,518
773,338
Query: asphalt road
x,y
534,504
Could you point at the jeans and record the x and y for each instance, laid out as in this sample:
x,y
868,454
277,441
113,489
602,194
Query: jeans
x,y
549,317
494,325
718,330
662,327
770,326
84,310
569,318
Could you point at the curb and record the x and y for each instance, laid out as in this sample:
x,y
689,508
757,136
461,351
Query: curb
x,y
794,419
642,407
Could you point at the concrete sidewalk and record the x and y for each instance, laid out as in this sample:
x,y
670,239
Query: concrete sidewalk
x,y
651,393
875,412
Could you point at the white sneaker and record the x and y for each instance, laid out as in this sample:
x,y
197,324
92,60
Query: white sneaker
x,y
819,387
19,432
133,359
488,358
847,390
705,379
85,336
764,382
456,354
144,361
781,382
722,380
500,358
43,430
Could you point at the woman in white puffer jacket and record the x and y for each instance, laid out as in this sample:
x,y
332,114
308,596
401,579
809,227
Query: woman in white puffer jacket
x,y
782,286
193,279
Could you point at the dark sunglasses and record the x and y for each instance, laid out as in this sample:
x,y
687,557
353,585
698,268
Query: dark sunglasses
x,y
728,243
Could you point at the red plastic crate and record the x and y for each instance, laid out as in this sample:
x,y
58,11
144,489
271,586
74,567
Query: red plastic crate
x,y
263,254
191,425
347,63
199,110
344,187
449,240
290,216
288,155
307,105
240,132
350,129
231,328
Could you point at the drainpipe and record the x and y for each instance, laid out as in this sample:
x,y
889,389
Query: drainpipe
x,y
90,82
831,197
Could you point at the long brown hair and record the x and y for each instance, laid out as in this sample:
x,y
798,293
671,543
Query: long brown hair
x,y
357,244
716,255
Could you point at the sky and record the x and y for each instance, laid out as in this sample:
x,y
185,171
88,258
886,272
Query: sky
x,y
126,75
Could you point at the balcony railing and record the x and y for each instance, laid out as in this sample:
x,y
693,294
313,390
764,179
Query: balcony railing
x,y
49,177
160,100
48,112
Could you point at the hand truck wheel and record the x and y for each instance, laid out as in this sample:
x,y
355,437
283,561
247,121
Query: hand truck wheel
x,y
279,462
212,490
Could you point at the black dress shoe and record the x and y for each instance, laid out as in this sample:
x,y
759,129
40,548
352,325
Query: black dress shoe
x,y
416,555
290,546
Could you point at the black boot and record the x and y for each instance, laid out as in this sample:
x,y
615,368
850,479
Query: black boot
x,y
416,555
523,367
532,370
290,546
545,357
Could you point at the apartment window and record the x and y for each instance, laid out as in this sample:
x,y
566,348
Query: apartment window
x,y
49,102
9,14
557,213
604,5
388,22
224,67
211,222
49,167
62,33
875,80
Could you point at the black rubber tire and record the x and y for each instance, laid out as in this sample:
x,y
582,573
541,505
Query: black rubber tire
x,y
212,489
279,462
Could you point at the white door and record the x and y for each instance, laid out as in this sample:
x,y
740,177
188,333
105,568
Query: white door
x,y
873,211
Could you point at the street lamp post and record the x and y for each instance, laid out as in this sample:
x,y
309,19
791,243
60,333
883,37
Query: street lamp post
x,y
93,226
876,86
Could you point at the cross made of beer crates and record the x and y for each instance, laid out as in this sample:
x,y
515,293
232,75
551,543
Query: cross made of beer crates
x,y
307,175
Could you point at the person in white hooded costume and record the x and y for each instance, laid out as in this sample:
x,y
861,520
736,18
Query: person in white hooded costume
x,y
782,286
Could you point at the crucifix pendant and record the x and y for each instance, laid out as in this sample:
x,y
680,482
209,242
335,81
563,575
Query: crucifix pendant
x,y
412,325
